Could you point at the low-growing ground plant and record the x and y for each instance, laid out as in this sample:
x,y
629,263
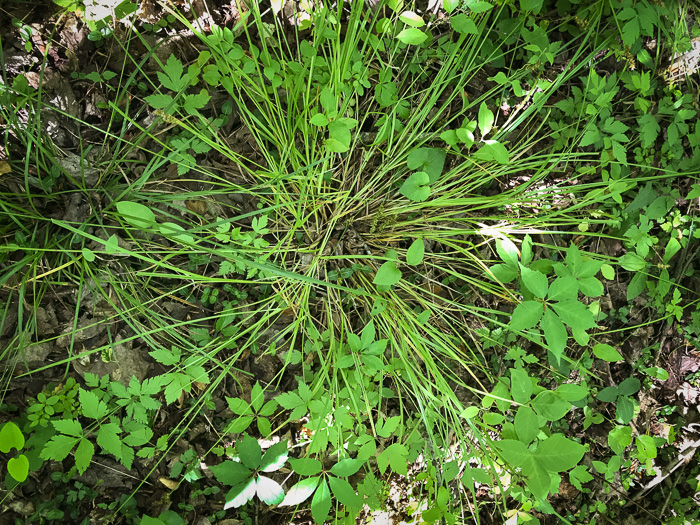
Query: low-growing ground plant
x,y
335,256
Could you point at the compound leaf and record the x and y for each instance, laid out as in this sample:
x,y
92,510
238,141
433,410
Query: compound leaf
x,y
300,492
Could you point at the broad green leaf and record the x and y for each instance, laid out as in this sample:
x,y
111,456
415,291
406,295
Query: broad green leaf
x,y
563,289
166,357
250,452
624,410
572,392
257,397
83,455
619,439
319,119
608,272
148,520
108,438
412,19
268,408
415,252
636,286
344,493
339,132
292,401
335,146
268,490
574,260
176,232
535,281
526,250
388,274
159,100
321,503
632,262
671,249
239,406
646,447
526,315
550,406
136,214
607,353
478,6
450,5
264,426
18,467
486,119
466,136
470,412
504,272
238,425
589,268
89,255
230,473
527,425
137,435
657,372
558,453
463,24
590,287
608,394
575,314
11,437
629,386
367,337
306,466
492,151
275,457
58,447
346,467
520,385
91,405
416,187
533,6
538,480
127,456
69,427
513,451
300,492
394,455
412,36
554,333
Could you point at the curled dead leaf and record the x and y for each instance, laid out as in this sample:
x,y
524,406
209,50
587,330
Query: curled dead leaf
x,y
170,483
